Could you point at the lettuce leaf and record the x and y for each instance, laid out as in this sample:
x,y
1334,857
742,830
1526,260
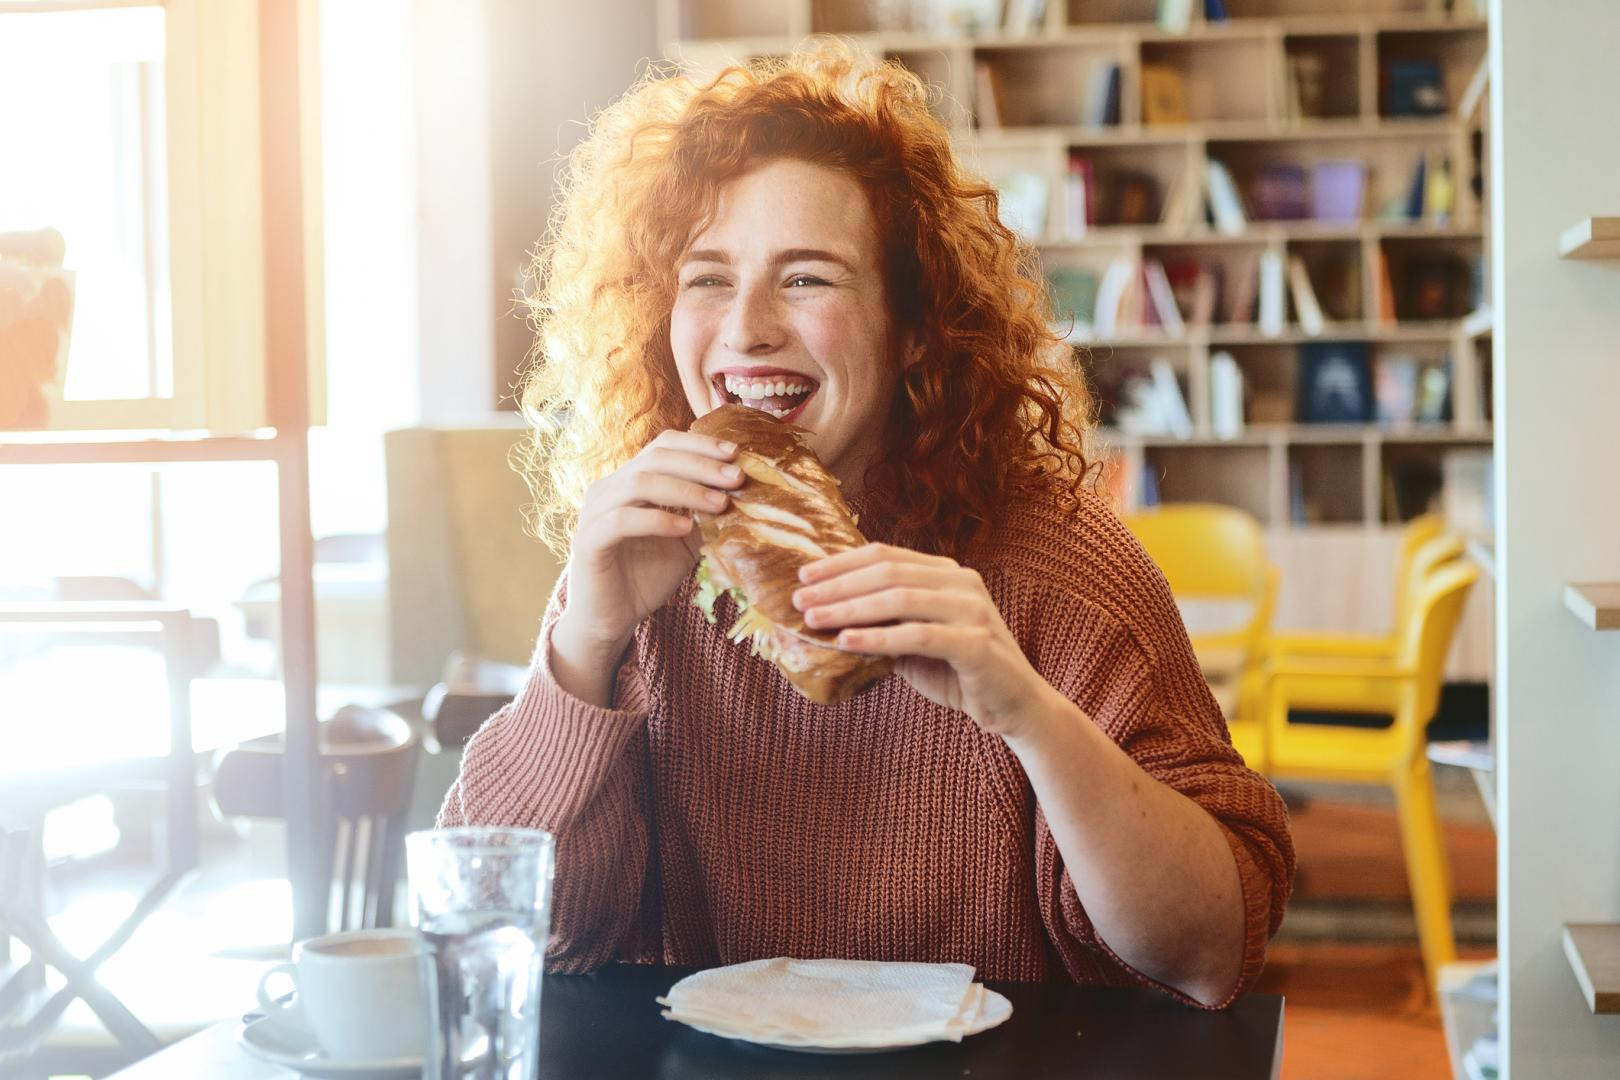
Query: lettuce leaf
x,y
708,592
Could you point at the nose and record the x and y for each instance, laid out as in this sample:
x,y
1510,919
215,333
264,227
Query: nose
x,y
753,324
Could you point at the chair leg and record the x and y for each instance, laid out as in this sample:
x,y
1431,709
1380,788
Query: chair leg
x,y
1426,867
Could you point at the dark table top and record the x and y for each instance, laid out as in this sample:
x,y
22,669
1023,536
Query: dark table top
x,y
608,1025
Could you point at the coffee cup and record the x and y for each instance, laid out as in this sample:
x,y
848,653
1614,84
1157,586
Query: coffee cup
x,y
360,993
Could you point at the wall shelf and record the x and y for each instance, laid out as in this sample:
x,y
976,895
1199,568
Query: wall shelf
x,y
1593,950
1594,238
1597,604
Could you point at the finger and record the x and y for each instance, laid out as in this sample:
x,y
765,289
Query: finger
x,y
629,522
865,555
689,466
693,443
898,605
952,644
873,578
670,492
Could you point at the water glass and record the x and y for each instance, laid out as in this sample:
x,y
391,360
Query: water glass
x,y
481,899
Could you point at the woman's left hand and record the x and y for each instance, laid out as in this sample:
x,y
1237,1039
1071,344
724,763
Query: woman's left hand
x,y
936,618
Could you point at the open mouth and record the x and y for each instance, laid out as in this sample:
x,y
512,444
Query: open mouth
x,y
783,396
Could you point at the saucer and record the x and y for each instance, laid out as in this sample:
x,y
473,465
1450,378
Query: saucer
x,y
995,1011
281,1044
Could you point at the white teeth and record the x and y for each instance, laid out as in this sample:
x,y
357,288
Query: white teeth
x,y
757,389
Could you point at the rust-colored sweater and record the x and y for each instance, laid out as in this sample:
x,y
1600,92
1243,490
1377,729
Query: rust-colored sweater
x,y
715,816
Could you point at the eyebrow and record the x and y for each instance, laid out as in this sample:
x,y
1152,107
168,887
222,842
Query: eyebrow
x,y
790,255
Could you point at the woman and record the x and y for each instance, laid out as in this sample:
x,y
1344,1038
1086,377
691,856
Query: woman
x,y
1045,787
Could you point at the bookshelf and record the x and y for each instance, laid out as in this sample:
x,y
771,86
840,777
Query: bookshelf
x,y
1320,114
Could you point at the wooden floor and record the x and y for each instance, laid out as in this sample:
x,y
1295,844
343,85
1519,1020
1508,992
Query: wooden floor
x,y
1357,1006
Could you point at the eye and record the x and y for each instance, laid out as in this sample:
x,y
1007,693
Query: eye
x,y
703,281
800,280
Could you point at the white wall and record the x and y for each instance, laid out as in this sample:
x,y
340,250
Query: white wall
x,y
1556,158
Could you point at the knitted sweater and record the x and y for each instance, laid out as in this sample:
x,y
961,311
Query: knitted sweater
x,y
714,815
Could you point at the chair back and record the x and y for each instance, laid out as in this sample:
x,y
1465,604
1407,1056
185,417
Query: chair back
x,y
1210,552
1435,611
1414,534
1417,564
368,760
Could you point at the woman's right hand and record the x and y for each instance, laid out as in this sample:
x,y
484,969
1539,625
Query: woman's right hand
x,y
634,545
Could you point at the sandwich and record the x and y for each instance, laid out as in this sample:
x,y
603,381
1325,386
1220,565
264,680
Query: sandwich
x,y
787,513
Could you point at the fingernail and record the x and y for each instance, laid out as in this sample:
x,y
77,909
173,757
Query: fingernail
x,y
798,598
731,472
717,498
728,448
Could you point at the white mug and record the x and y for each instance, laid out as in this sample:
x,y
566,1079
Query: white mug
x,y
359,992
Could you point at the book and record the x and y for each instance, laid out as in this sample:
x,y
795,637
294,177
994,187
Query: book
x,y
1337,191
1178,420
1023,17
1306,308
1245,288
1335,383
1305,86
1414,87
1023,203
987,96
1433,286
1434,394
1164,95
1439,193
1163,300
1201,312
1129,197
1395,391
1224,204
1416,189
1175,15
1181,204
1079,186
1214,11
1272,299
1384,299
1101,105
1116,281
1280,191
1074,297
1225,396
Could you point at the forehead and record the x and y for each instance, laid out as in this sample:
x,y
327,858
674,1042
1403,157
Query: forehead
x,y
787,203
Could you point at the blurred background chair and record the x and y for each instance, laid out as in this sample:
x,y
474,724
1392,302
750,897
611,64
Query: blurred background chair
x,y
1415,557
368,761
1214,558
467,583
1405,686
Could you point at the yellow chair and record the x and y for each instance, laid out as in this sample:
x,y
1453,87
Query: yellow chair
x,y
1406,685
1410,570
1213,553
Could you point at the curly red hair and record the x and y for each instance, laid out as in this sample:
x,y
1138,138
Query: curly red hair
x,y
989,406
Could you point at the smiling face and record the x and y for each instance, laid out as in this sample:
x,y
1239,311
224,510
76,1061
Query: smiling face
x,y
780,305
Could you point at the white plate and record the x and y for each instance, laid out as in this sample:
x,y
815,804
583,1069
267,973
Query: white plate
x,y
280,1044
995,1010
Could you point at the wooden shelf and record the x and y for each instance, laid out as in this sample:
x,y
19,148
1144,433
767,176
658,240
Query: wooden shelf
x,y
1261,232
1594,238
1593,950
1226,334
1597,604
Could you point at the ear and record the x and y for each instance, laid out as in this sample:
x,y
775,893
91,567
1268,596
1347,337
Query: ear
x,y
912,350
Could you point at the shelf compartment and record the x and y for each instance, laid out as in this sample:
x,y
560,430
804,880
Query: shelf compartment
x,y
1046,87
1594,238
1597,604
1424,72
1234,474
1325,482
1322,76
1593,950
1208,94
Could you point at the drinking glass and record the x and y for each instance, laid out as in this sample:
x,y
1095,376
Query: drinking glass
x,y
481,899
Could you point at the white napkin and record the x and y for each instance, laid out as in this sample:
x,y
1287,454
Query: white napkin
x,y
836,1003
